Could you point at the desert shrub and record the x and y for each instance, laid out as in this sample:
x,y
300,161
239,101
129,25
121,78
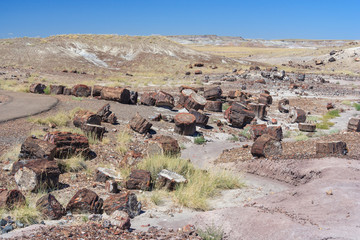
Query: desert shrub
x,y
199,140
245,133
123,140
11,155
156,198
325,124
47,90
233,138
211,232
346,102
301,137
73,164
332,114
357,106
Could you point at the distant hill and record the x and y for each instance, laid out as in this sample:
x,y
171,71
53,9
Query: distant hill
x,y
206,39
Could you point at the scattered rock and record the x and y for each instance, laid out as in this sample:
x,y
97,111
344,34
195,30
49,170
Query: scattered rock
x,y
125,201
50,207
140,124
104,174
81,90
37,88
307,127
10,199
139,179
266,146
330,148
85,201
354,125
169,179
163,145
185,124
121,95
34,148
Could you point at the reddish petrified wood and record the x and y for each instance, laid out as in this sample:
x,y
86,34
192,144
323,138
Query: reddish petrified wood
x,y
106,114
201,118
163,145
133,97
94,131
164,99
213,106
326,148
185,124
96,90
258,130
68,144
81,90
213,93
239,116
67,91
297,116
265,99
50,207
283,105
259,109
124,201
83,117
307,127
121,95
11,198
57,89
275,132
354,125
34,148
139,179
85,201
195,101
37,88
148,98
37,175
140,124
111,186
266,146
184,94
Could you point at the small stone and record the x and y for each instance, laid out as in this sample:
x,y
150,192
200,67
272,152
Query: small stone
x,y
19,224
106,224
3,222
329,192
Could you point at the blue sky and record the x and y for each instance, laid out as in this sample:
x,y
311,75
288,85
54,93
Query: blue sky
x,y
272,19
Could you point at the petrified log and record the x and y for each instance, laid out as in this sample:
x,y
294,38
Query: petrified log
x,y
34,148
326,148
139,179
307,127
81,90
259,109
198,64
235,94
240,117
125,201
257,130
68,144
213,106
213,93
140,124
201,118
354,125
37,175
120,219
37,88
111,186
104,174
169,179
265,99
261,81
121,95
94,131
266,146
133,97
182,87
50,207
163,145
96,90
283,105
275,132
185,124
85,201
57,89
107,115
297,116
185,93
164,99
195,101
11,198
198,72
148,98
67,91
86,117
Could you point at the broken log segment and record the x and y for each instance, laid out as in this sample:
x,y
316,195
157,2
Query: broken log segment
x,y
259,109
163,145
239,117
283,105
81,90
34,148
37,88
213,93
213,106
265,99
10,199
85,201
297,116
185,124
185,93
326,148
121,95
139,179
106,114
123,201
164,99
195,101
50,207
354,125
57,89
169,179
266,146
86,117
307,127
275,132
201,118
148,98
140,124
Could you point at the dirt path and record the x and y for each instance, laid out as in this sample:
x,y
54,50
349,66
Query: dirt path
x,y
24,104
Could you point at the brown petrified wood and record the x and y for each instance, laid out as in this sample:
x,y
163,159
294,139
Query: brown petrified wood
x,y
140,124
201,118
85,201
83,117
34,148
163,145
297,116
213,93
57,89
67,91
276,132
50,207
37,88
307,127
96,90
169,179
213,106
133,97
111,186
11,198
124,201
37,175
164,99
265,99
81,90
354,125
185,124
257,130
148,98
326,148
94,131
106,114
283,105
184,94
195,101
139,179
259,109
68,144
266,146
239,116
104,174
121,95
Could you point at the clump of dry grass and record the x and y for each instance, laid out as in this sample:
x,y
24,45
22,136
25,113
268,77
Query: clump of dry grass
x,y
123,140
11,155
73,164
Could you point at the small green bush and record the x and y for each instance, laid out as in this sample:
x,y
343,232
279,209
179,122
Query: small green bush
x,y
199,140
357,106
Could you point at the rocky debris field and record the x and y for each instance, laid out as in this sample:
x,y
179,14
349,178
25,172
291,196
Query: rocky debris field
x,y
85,166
